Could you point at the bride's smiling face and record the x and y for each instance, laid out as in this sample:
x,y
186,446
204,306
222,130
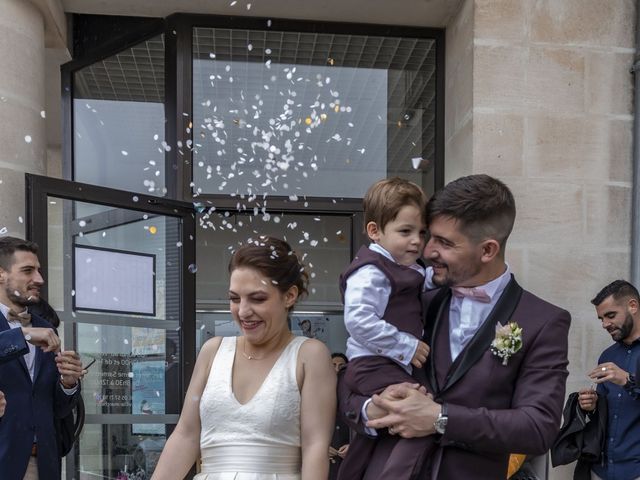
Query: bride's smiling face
x,y
258,306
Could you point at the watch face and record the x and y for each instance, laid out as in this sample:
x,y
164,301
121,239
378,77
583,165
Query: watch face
x,y
441,424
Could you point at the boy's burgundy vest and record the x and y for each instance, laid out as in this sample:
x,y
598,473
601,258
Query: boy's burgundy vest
x,y
404,308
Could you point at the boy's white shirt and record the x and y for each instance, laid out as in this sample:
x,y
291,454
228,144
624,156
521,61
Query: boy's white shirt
x,y
365,299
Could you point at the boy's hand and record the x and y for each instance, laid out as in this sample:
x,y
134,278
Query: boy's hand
x,y
422,352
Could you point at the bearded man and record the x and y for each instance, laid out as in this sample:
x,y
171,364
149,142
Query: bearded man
x,y
618,308
39,385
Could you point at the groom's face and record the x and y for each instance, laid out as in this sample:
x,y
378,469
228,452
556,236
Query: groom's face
x,y
454,256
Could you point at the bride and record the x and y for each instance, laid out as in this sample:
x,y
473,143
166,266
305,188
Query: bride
x,y
260,406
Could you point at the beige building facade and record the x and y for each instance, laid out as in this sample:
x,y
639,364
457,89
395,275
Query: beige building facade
x,y
538,93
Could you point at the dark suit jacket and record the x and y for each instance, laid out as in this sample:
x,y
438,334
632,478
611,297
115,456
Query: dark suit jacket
x,y
493,409
31,407
12,345
582,437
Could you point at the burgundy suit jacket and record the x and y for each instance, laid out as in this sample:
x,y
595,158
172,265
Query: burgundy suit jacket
x,y
493,409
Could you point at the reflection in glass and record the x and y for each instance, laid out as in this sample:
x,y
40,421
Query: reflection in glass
x,y
118,119
135,371
294,113
114,452
323,241
138,234
326,327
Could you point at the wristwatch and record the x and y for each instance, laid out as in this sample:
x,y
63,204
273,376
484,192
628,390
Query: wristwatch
x,y
441,422
631,382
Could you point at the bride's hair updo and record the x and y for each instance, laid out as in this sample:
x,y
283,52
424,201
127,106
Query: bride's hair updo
x,y
274,259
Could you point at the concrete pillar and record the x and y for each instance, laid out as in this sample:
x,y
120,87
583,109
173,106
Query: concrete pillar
x,y
22,126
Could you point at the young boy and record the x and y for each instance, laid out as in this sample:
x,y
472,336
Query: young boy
x,y
383,312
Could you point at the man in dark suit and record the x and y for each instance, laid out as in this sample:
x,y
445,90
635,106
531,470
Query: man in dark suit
x,y
40,385
494,392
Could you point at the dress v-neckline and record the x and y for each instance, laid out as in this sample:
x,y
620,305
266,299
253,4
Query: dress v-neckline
x,y
264,380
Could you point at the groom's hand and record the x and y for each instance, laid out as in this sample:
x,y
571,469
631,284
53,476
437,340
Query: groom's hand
x,y
392,392
411,413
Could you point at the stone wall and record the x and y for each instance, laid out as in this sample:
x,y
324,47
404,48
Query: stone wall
x,y
22,135
551,115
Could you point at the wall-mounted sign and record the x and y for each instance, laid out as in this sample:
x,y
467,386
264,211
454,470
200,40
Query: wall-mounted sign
x,y
107,280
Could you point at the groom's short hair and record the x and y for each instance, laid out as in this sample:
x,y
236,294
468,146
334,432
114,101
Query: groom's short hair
x,y
484,206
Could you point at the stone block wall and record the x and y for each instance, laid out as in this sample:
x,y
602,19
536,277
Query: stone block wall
x,y
550,113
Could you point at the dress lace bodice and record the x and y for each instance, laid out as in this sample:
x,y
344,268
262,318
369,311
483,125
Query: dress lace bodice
x,y
261,436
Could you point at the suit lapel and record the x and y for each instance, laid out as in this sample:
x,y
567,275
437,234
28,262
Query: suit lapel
x,y
481,341
433,316
4,325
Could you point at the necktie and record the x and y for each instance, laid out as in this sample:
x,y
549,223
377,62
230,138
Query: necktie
x,y
23,318
474,293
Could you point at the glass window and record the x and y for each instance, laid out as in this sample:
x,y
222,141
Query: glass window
x,y
323,241
112,451
119,120
126,257
325,115
327,327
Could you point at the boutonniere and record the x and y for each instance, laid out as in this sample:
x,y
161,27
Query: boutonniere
x,y
507,342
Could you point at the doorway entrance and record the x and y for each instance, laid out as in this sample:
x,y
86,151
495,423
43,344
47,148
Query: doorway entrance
x,y
119,269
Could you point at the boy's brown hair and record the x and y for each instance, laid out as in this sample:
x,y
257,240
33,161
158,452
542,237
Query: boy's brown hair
x,y
385,199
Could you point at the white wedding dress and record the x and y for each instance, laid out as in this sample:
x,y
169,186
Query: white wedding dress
x,y
258,440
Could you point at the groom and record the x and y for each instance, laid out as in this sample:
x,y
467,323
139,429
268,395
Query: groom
x,y
488,401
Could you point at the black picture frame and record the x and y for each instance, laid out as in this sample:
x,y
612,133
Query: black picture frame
x,y
121,252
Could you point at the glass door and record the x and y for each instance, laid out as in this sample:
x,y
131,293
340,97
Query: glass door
x,y
120,271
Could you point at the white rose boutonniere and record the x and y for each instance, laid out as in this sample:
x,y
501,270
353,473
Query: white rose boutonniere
x,y
507,342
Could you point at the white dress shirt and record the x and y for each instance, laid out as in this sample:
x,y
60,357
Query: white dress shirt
x,y
466,315
365,299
